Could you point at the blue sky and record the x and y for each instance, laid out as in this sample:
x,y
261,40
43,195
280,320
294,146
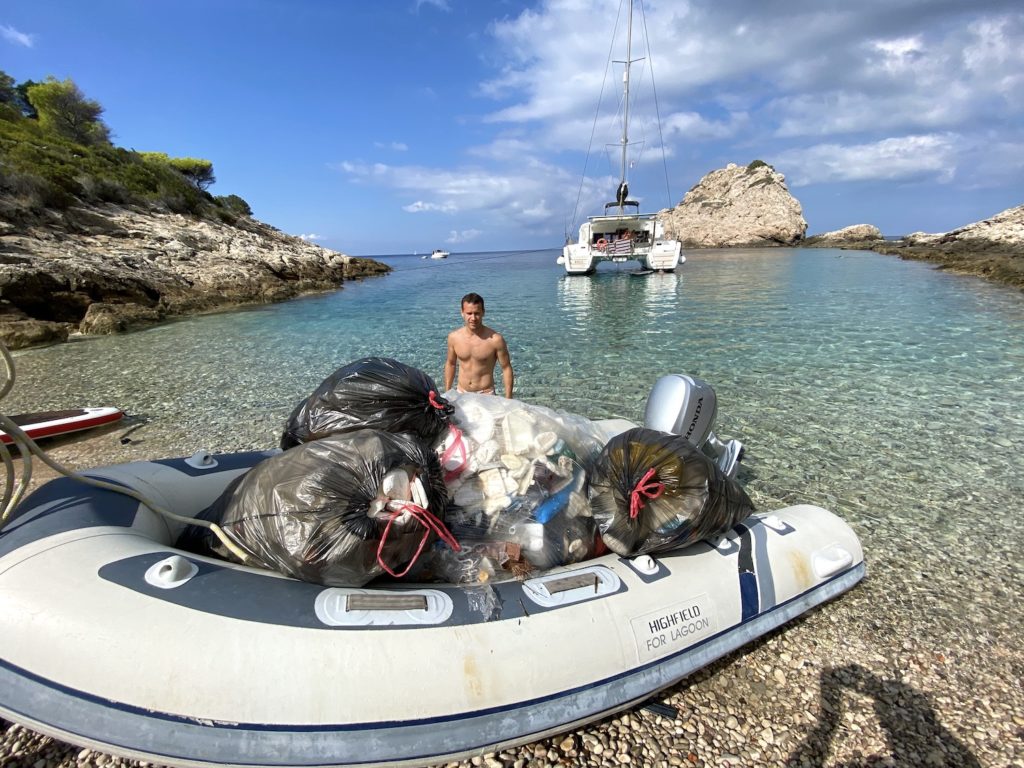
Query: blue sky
x,y
395,126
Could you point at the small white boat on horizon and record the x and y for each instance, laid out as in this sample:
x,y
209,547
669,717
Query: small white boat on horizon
x,y
624,234
439,253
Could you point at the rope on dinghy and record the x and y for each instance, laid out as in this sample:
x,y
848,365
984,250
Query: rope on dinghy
x,y
15,490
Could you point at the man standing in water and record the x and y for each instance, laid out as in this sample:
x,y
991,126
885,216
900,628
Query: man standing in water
x,y
475,348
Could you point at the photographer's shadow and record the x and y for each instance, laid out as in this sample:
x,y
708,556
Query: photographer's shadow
x,y
912,730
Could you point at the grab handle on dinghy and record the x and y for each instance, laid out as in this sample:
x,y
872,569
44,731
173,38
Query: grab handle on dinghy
x,y
553,590
366,602
830,561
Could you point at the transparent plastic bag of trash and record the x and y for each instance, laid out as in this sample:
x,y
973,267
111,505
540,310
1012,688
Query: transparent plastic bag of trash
x,y
516,474
652,491
371,393
488,432
513,543
337,511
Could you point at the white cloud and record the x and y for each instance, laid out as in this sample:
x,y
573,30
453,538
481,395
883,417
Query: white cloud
x,y
749,71
994,53
523,196
421,206
394,146
463,236
904,158
441,5
18,38
311,237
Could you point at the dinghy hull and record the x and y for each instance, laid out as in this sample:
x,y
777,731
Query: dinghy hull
x,y
115,640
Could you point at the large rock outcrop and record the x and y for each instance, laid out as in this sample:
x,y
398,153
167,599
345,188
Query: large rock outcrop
x,y
737,206
992,248
1002,232
109,269
855,234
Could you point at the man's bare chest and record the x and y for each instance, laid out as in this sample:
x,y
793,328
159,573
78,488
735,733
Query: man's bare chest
x,y
476,349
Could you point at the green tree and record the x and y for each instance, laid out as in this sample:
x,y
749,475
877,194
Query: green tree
x,y
198,172
63,108
8,93
26,106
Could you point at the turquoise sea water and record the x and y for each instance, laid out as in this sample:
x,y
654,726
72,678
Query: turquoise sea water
x,y
885,390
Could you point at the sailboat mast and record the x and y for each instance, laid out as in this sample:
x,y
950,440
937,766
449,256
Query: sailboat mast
x,y
625,103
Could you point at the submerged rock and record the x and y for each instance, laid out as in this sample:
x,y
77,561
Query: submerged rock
x,y
737,206
108,269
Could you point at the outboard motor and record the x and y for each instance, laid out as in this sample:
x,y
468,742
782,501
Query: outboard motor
x,y
687,406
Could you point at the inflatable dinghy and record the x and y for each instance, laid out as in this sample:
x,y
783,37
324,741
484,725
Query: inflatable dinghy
x,y
115,640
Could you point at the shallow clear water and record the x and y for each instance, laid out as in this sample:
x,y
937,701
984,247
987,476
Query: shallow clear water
x,y
885,390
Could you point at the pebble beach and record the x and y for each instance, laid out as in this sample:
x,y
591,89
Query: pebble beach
x,y
916,666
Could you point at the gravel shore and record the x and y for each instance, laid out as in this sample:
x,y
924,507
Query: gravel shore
x,y
920,665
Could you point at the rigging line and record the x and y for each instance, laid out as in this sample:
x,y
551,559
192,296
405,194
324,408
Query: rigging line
x,y
597,114
657,110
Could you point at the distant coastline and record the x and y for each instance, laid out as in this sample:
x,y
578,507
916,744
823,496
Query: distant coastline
x,y
992,248
1000,265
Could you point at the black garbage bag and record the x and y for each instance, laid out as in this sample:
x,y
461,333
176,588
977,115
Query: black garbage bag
x,y
321,513
652,491
371,393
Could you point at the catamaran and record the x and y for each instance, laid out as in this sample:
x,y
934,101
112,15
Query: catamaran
x,y
622,233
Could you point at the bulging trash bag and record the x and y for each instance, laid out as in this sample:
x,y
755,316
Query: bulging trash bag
x,y
652,491
370,393
337,511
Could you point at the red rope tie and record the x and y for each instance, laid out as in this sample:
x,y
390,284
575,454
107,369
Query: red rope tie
x,y
430,523
458,451
644,489
434,402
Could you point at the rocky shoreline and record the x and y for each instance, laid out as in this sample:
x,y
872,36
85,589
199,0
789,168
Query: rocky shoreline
x,y
109,269
992,248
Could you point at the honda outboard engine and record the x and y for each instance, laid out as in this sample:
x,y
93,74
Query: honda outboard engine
x,y
687,406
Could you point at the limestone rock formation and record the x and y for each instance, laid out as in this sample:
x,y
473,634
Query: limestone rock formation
x,y
1004,231
862,234
110,269
737,206
992,248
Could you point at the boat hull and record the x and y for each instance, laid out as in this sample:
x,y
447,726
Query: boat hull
x,y
599,241
232,665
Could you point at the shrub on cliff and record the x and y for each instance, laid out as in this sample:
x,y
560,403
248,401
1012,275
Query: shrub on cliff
x,y
55,151
234,204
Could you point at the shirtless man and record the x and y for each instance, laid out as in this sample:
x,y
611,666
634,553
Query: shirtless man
x,y
475,348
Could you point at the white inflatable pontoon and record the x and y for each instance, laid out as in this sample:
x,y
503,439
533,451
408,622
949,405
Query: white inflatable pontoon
x,y
114,640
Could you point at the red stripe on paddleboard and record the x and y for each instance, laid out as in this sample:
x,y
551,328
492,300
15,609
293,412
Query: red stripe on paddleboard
x,y
51,427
